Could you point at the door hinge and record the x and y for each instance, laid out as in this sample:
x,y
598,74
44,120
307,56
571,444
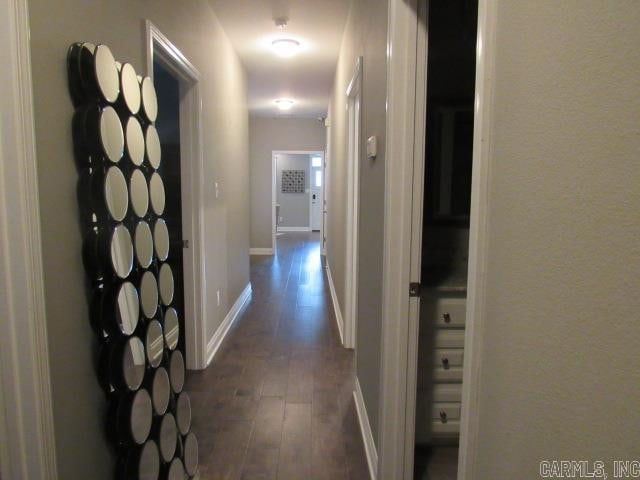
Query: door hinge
x,y
414,289
185,243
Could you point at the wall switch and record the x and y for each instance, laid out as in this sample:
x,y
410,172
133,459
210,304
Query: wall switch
x,y
217,196
218,296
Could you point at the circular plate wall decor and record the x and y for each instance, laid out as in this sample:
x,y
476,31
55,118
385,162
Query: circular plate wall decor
x,y
121,191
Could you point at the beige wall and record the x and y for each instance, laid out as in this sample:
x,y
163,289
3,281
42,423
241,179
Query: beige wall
x,y
366,36
560,373
265,135
78,402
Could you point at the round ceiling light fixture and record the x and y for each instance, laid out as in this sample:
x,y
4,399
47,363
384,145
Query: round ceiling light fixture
x,y
284,103
285,47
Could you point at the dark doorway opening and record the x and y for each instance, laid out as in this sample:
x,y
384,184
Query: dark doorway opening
x,y
451,64
168,126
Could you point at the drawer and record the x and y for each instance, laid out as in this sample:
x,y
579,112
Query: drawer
x,y
430,425
444,430
447,375
449,339
445,412
448,312
446,393
444,357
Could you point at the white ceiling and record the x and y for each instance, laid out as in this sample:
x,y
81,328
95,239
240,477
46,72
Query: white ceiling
x,y
306,78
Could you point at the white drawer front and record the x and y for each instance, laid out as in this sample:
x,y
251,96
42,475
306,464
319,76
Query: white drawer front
x,y
445,393
444,357
449,312
450,375
449,339
449,429
445,412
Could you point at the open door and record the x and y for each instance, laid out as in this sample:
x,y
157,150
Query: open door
x,y
317,189
440,233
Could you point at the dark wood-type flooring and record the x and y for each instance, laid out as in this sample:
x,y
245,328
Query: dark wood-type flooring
x,y
277,402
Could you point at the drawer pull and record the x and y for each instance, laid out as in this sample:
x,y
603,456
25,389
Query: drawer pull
x,y
446,317
445,363
443,416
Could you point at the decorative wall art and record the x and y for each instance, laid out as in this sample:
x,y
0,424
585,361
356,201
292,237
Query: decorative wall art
x,y
293,181
126,247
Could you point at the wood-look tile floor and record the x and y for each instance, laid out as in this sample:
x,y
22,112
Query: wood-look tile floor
x,y
276,402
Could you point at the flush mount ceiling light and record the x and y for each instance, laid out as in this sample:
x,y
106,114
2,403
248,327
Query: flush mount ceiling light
x,y
284,103
285,47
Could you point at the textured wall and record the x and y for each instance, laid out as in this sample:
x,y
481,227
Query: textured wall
x,y
265,135
77,399
365,35
560,375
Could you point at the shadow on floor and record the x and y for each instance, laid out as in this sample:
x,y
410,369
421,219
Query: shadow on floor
x,y
435,462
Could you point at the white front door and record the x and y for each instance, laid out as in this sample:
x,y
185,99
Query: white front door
x,y
317,181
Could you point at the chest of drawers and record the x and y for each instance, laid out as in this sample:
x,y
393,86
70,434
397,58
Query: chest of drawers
x,y
440,359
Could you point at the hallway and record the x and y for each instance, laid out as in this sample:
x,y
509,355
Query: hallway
x,y
277,400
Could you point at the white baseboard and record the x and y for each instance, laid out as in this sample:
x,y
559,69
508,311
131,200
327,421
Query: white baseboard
x,y
214,343
294,229
336,305
261,251
365,429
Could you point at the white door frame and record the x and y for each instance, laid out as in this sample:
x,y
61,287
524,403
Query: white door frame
x,y
160,48
27,448
354,141
405,132
274,193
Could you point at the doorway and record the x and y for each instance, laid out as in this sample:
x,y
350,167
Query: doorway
x,y
317,192
404,186
168,126
443,246
297,192
179,125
